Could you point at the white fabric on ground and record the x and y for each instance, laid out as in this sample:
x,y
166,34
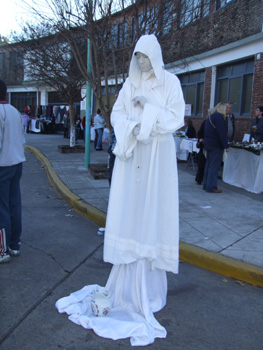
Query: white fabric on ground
x,y
136,291
142,228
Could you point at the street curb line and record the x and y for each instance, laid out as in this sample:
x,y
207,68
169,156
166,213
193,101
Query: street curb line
x,y
201,257
221,264
82,207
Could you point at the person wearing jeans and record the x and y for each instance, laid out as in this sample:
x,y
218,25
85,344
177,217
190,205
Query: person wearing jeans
x,y
99,124
213,163
11,158
215,142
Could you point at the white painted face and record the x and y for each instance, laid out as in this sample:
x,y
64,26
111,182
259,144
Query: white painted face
x,y
143,62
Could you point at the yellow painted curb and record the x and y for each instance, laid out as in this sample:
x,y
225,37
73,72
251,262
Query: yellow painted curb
x,y
194,255
221,264
92,213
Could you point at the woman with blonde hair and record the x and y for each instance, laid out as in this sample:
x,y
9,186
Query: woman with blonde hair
x,y
215,142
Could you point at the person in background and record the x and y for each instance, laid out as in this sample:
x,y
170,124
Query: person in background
x,y
190,130
12,156
215,142
111,148
66,121
201,160
77,128
99,124
83,124
257,125
26,118
230,122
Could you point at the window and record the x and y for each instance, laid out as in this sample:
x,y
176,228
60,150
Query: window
x,y
151,20
193,90
234,84
192,10
16,60
2,61
22,99
169,16
122,34
114,35
222,3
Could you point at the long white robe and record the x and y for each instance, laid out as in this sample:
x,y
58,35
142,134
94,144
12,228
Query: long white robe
x,y
142,218
142,231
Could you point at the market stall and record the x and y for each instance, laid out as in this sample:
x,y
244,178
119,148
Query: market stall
x,y
35,125
178,138
105,136
243,167
189,145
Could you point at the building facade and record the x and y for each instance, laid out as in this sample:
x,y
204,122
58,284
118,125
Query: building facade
x,y
223,60
215,47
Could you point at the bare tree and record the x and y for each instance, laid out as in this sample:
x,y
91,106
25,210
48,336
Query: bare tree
x,y
49,60
111,28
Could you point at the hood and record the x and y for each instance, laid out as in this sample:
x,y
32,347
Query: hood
x,y
149,46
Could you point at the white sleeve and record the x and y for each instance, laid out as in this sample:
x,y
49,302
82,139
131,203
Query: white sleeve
x,y
123,125
1,130
166,119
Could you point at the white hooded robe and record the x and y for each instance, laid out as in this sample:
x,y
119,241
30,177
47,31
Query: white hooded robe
x,y
142,231
142,218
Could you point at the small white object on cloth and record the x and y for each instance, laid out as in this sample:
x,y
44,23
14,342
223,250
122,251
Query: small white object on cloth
x,y
136,292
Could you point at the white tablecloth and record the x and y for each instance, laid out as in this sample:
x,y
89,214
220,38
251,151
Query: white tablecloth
x,y
105,136
189,145
34,125
244,169
180,154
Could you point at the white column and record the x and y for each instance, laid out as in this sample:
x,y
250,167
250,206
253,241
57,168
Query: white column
x,y
213,87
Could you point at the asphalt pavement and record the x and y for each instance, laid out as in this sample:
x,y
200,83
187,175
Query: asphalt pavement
x,y
220,232
61,253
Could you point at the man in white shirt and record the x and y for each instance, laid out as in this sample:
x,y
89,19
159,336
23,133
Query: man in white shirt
x,y
12,156
99,124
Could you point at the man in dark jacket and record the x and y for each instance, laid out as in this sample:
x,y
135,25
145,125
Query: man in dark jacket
x,y
230,122
215,142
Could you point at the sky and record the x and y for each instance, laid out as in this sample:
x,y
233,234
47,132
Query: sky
x,y
12,13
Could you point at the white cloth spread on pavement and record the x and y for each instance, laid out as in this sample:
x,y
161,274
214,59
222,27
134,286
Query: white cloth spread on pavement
x,y
142,228
133,304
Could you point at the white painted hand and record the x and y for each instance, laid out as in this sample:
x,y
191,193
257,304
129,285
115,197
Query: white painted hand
x,y
136,130
139,101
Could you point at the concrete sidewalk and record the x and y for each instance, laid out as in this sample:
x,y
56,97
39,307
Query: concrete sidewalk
x,y
220,232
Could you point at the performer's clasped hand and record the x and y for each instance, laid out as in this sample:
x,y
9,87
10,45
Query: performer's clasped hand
x,y
139,101
137,130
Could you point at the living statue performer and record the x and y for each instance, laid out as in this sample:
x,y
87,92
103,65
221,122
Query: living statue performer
x,y
142,228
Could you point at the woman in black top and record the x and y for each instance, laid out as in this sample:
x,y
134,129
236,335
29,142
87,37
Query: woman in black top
x,y
190,130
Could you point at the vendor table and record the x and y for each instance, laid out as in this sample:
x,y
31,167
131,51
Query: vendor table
x,y
180,154
244,169
105,136
34,125
189,145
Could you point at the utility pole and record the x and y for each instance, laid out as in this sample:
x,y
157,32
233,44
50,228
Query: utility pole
x,y
88,111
